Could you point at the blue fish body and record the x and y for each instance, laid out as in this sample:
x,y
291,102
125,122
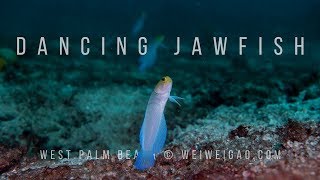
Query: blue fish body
x,y
148,60
154,129
138,25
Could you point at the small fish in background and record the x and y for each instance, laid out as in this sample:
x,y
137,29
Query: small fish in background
x,y
148,60
139,25
154,129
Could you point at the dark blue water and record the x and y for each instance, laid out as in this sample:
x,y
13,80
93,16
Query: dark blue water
x,y
171,18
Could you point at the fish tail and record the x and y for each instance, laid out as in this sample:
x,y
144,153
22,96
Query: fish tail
x,y
145,159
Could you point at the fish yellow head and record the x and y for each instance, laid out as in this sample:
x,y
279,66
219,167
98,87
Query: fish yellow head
x,y
2,64
164,85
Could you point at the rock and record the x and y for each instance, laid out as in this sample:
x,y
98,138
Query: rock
x,y
294,131
241,131
10,157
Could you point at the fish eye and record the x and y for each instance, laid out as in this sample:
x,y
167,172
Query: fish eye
x,y
163,79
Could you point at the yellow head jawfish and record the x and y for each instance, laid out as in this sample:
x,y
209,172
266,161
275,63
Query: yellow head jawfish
x,y
154,129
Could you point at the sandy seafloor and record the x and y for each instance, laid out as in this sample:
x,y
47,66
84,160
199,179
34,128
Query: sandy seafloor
x,y
230,103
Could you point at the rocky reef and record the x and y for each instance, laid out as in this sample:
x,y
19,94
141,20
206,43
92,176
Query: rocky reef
x,y
296,137
95,103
